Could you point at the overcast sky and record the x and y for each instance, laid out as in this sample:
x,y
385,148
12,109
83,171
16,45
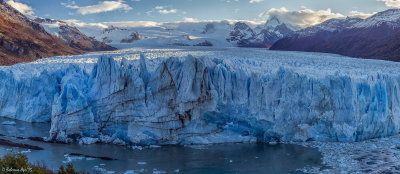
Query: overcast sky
x,y
298,12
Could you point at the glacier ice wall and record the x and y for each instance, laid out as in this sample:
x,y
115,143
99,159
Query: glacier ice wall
x,y
202,100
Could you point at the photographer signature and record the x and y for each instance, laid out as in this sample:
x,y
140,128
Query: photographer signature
x,y
23,170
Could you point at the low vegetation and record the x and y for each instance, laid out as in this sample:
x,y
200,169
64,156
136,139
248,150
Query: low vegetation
x,y
18,164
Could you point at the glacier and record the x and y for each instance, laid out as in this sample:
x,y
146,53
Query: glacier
x,y
200,96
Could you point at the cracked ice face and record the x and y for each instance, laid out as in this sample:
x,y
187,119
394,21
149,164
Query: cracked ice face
x,y
206,96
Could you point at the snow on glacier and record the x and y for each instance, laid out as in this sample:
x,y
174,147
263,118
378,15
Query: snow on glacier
x,y
203,95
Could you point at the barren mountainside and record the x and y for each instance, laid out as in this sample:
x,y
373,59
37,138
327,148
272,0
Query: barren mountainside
x,y
23,40
72,36
377,37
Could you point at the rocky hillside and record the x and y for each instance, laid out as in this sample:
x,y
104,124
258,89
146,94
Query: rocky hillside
x,y
377,37
72,36
23,40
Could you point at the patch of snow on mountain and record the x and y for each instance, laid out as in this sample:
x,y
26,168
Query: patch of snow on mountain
x,y
273,22
390,17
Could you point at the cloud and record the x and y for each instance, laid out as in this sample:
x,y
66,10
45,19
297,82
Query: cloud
x,y
254,1
71,5
128,24
104,6
357,14
164,10
102,25
167,11
149,12
23,8
159,7
303,17
391,3
190,20
78,23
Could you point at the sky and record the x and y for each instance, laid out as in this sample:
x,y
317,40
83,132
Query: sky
x,y
302,13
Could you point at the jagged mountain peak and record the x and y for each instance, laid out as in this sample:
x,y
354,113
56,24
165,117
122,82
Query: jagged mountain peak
x,y
263,36
241,26
273,22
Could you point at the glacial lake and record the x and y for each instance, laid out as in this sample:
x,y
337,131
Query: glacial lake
x,y
219,158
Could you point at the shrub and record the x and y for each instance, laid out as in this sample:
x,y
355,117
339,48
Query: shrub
x,y
16,163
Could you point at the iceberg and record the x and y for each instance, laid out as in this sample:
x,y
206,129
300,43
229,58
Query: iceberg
x,y
201,97
8,123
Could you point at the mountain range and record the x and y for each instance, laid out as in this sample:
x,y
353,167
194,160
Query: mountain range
x,y
72,36
212,33
262,36
377,37
23,39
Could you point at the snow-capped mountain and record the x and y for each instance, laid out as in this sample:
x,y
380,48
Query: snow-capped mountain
x,y
119,35
172,34
243,36
212,33
376,37
331,25
23,40
273,31
389,17
72,36
262,36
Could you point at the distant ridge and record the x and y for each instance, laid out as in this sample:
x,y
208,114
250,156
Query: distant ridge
x,y
377,37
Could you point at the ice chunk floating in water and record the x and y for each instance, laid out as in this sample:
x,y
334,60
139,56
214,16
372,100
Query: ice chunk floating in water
x,y
209,97
8,123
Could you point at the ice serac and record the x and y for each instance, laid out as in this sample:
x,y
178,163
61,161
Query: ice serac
x,y
238,95
19,98
208,100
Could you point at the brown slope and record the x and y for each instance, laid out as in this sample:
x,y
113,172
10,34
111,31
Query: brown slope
x,y
23,40
381,42
74,38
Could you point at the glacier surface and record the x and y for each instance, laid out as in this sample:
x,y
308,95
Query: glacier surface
x,y
199,96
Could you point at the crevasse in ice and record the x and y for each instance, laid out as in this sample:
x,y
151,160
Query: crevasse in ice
x,y
208,99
